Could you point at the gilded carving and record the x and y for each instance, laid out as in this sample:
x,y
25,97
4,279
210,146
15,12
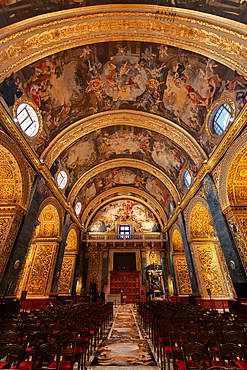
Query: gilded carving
x,y
182,275
177,242
152,257
41,269
199,223
77,30
238,239
49,222
71,242
209,270
8,229
67,273
237,179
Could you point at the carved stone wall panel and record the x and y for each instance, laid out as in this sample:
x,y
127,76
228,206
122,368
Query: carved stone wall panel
x,y
9,225
42,269
239,235
208,270
177,242
67,274
182,274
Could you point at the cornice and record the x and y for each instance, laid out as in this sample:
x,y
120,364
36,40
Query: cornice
x,y
124,162
218,38
160,215
119,198
144,120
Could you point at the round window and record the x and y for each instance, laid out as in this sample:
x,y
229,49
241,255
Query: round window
x,y
62,179
27,119
186,179
170,208
220,119
78,208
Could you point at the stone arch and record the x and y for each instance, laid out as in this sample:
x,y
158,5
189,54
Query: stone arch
x,y
208,258
14,174
41,258
230,170
202,208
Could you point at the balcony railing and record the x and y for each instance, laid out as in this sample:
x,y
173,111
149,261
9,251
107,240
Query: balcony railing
x,y
126,238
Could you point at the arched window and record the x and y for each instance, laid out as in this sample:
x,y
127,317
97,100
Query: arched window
x,y
27,119
62,179
220,119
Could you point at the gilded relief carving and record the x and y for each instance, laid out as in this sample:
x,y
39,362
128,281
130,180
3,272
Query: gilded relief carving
x,y
41,269
66,276
182,275
241,244
237,179
199,223
71,242
49,222
209,270
177,242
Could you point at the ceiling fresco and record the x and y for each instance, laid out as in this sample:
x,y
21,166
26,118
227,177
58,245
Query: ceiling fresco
x,y
124,176
173,83
124,211
15,10
123,142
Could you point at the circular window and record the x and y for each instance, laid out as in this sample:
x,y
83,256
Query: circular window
x,y
170,208
220,119
62,179
27,119
186,179
78,208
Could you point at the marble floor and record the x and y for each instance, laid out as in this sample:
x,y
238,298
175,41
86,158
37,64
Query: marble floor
x,y
125,346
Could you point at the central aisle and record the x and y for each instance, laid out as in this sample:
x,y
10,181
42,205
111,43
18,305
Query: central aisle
x,y
124,346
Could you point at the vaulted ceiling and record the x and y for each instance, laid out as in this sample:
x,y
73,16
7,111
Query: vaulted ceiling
x,y
125,93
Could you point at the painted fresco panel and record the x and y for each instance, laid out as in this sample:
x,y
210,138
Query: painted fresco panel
x,y
131,142
15,10
124,176
124,211
173,83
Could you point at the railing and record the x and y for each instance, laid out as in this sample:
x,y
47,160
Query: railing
x,y
126,238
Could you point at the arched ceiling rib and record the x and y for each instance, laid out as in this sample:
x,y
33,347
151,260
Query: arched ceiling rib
x,y
124,117
125,162
116,198
177,27
124,189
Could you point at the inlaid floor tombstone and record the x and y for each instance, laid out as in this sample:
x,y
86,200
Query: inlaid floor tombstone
x,y
124,346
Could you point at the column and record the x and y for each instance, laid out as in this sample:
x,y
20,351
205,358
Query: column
x,y
60,254
77,265
174,283
11,274
164,271
188,256
104,271
85,271
232,257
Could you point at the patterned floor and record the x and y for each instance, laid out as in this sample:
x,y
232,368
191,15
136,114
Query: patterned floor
x,y
125,346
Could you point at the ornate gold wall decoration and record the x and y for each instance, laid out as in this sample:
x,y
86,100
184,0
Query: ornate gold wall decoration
x,y
41,269
239,238
237,179
199,223
208,270
219,41
9,225
228,171
69,261
182,274
67,274
177,242
153,258
49,222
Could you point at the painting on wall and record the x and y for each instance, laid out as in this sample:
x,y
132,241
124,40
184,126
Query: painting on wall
x,y
124,177
128,142
124,211
173,83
